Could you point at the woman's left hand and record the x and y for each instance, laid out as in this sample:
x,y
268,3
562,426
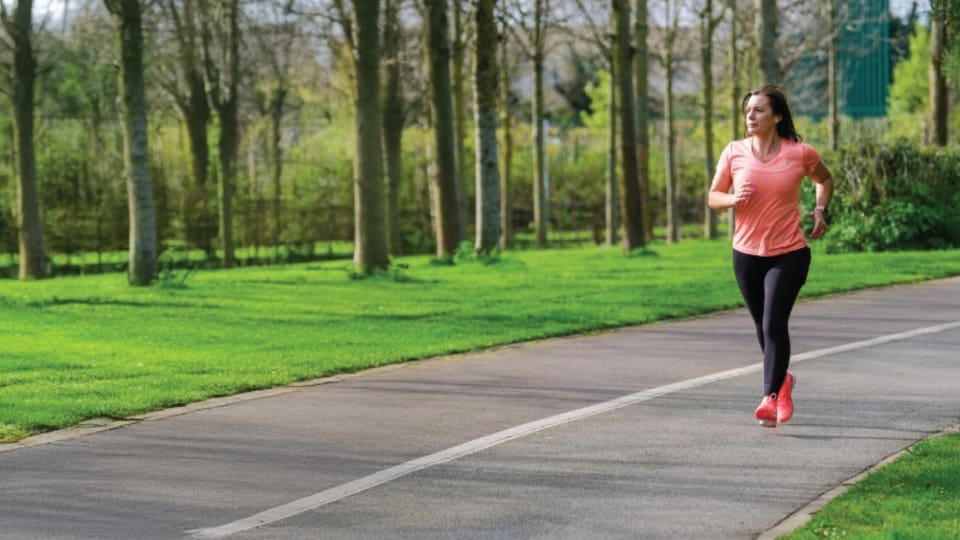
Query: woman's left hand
x,y
819,224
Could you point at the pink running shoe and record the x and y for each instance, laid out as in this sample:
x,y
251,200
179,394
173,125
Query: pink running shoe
x,y
785,399
766,413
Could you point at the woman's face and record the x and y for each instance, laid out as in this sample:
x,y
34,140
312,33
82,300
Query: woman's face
x,y
761,120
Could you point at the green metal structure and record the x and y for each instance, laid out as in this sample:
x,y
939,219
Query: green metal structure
x,y
864,65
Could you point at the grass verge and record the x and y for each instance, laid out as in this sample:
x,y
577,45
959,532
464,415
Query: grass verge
x,y
914,497
76,348
82,347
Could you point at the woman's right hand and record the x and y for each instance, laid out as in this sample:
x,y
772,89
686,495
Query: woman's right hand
x,y
742,194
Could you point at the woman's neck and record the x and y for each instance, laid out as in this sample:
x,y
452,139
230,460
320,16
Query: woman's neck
x,y
766,147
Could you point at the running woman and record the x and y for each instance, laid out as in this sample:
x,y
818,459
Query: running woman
x,y
761,177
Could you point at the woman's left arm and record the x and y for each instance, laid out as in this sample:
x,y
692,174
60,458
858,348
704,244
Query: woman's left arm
x,y
824,180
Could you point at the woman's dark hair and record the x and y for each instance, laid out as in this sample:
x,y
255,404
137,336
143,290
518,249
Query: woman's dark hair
x,y
778,102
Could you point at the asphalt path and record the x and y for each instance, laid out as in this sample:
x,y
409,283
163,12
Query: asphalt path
x,y
643,432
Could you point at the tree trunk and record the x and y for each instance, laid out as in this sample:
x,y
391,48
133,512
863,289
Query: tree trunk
x,y
133,104
226,101
229,144
33,259
276,157
486,83
199,225
392,123
706,73
541,191
438,60
673,221
107,217
194,107
735,113
506,200
459,115
256,227
631,219
611,198
426,214
766,28
275,35
939,98
370,249
640,70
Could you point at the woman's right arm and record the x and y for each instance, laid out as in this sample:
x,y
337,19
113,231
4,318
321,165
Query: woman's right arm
x,y
719,196
720,199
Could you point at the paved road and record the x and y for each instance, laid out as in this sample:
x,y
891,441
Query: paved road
x,y
639,433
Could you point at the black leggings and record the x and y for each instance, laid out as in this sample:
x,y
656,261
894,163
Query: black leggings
x,y
770,286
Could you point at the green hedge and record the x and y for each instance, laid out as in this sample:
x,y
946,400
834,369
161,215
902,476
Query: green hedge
x,y
892,197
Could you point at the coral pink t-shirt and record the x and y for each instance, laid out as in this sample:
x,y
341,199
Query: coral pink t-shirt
x,y
767,224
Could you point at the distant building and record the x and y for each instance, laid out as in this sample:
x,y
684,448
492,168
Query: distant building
x,y
863,65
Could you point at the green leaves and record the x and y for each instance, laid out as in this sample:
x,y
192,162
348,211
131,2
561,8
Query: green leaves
x,y
909,92
895,197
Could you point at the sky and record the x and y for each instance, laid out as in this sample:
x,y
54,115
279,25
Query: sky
x,y
901,8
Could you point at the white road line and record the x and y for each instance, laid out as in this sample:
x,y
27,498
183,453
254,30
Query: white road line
x,y
342,491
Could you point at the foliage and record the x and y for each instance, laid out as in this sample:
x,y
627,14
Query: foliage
x,y
909,92
895,197
579,71
88,346
396,272
173,273
901,31
80,82
952,59
689,164
85,205
598,115
577,172
80,167
467,252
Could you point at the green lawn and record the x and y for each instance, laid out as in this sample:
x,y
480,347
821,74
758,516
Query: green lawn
x,y
915,497
82,347
175,256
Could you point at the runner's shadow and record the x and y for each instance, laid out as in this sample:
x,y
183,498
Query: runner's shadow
x,y
843,436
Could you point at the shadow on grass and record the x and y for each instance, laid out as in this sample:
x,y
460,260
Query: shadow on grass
x,y
54,302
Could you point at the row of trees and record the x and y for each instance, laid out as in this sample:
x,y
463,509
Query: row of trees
x,y
218,64
133,111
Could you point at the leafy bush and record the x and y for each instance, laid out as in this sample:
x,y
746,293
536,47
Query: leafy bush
x,y
895,197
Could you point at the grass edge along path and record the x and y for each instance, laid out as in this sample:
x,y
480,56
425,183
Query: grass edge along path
x,y
90,347
77,348
912,494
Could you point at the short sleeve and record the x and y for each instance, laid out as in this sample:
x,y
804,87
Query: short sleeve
x,y
811,158
723,176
